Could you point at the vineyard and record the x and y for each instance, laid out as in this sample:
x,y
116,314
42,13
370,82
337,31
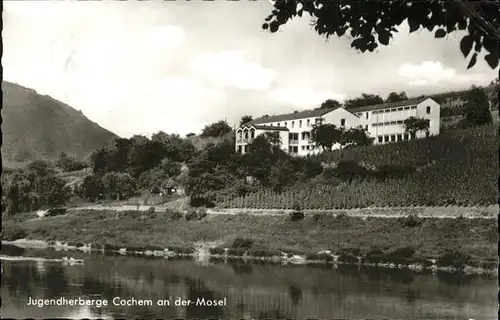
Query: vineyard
x,y
459,167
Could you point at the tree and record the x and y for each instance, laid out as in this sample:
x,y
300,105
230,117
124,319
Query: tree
x,y
191,134
216,129
413,125
91,188
245,119
273,137
494,90
395,97
356,137
282,175
364,100
68,164
477,109
330,104
118,185
326,135
176,148
372,23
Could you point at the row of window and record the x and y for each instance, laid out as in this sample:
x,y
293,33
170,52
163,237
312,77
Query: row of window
x,y
388,123
360,114
394,137
395,109
308,123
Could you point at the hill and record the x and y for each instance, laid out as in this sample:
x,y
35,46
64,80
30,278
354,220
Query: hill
x,y
458,167
37,126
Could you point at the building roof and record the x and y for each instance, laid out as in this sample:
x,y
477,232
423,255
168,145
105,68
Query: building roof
x,y
388,105
291,116
259,127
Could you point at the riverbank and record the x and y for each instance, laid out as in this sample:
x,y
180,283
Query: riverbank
x,y
420,243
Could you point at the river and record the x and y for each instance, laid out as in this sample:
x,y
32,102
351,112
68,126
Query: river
x,y
250,290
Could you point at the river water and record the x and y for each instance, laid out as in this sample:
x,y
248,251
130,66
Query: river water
x,y
250,290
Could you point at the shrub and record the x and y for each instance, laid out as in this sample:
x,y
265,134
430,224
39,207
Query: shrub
x,y
196,214
259,252
412,221
151,210
405,252
242,243
236,252
56,211
217,250
348,258
297,215
12,232
172,214
182,250
454,259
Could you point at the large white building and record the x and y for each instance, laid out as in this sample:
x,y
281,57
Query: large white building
x,y
383,122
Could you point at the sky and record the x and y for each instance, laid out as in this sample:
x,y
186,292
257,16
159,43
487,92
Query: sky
x,y
138,67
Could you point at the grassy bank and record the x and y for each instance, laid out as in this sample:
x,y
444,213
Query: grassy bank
x,y
377,240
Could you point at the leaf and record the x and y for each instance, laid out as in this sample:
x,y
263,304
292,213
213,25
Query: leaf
x,y
472,61
413,25
492,60
273,26
384,37
466,45
440,33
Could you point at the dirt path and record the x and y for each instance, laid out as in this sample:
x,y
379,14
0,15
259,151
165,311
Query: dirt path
x,y
489,212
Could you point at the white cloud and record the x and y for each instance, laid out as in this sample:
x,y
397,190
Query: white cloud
x,y
229,68
306,98
432,73
428,72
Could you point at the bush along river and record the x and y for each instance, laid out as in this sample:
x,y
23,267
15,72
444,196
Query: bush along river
x,y
55,282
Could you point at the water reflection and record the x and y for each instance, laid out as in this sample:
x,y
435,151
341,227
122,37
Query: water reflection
x,y
252,290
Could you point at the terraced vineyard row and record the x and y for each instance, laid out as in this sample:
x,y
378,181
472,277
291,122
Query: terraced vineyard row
x,y
456,168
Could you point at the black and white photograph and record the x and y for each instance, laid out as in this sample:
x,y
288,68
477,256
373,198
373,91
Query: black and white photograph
x,y
266,159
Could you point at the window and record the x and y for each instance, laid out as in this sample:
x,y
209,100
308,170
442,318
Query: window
x,y
400,122
386,138
308,122
286,124
246,134
307,147
252,133
428,109
375,112
406,137
380,139
240,149
300,123
293,124
278,124
394,109
303,147
407,108
393,137
290,149
374,124
387,110
295,149
240,136
413,107
366,127
386,123
400,137
367,115
393,122
399,109
246,148
342,122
